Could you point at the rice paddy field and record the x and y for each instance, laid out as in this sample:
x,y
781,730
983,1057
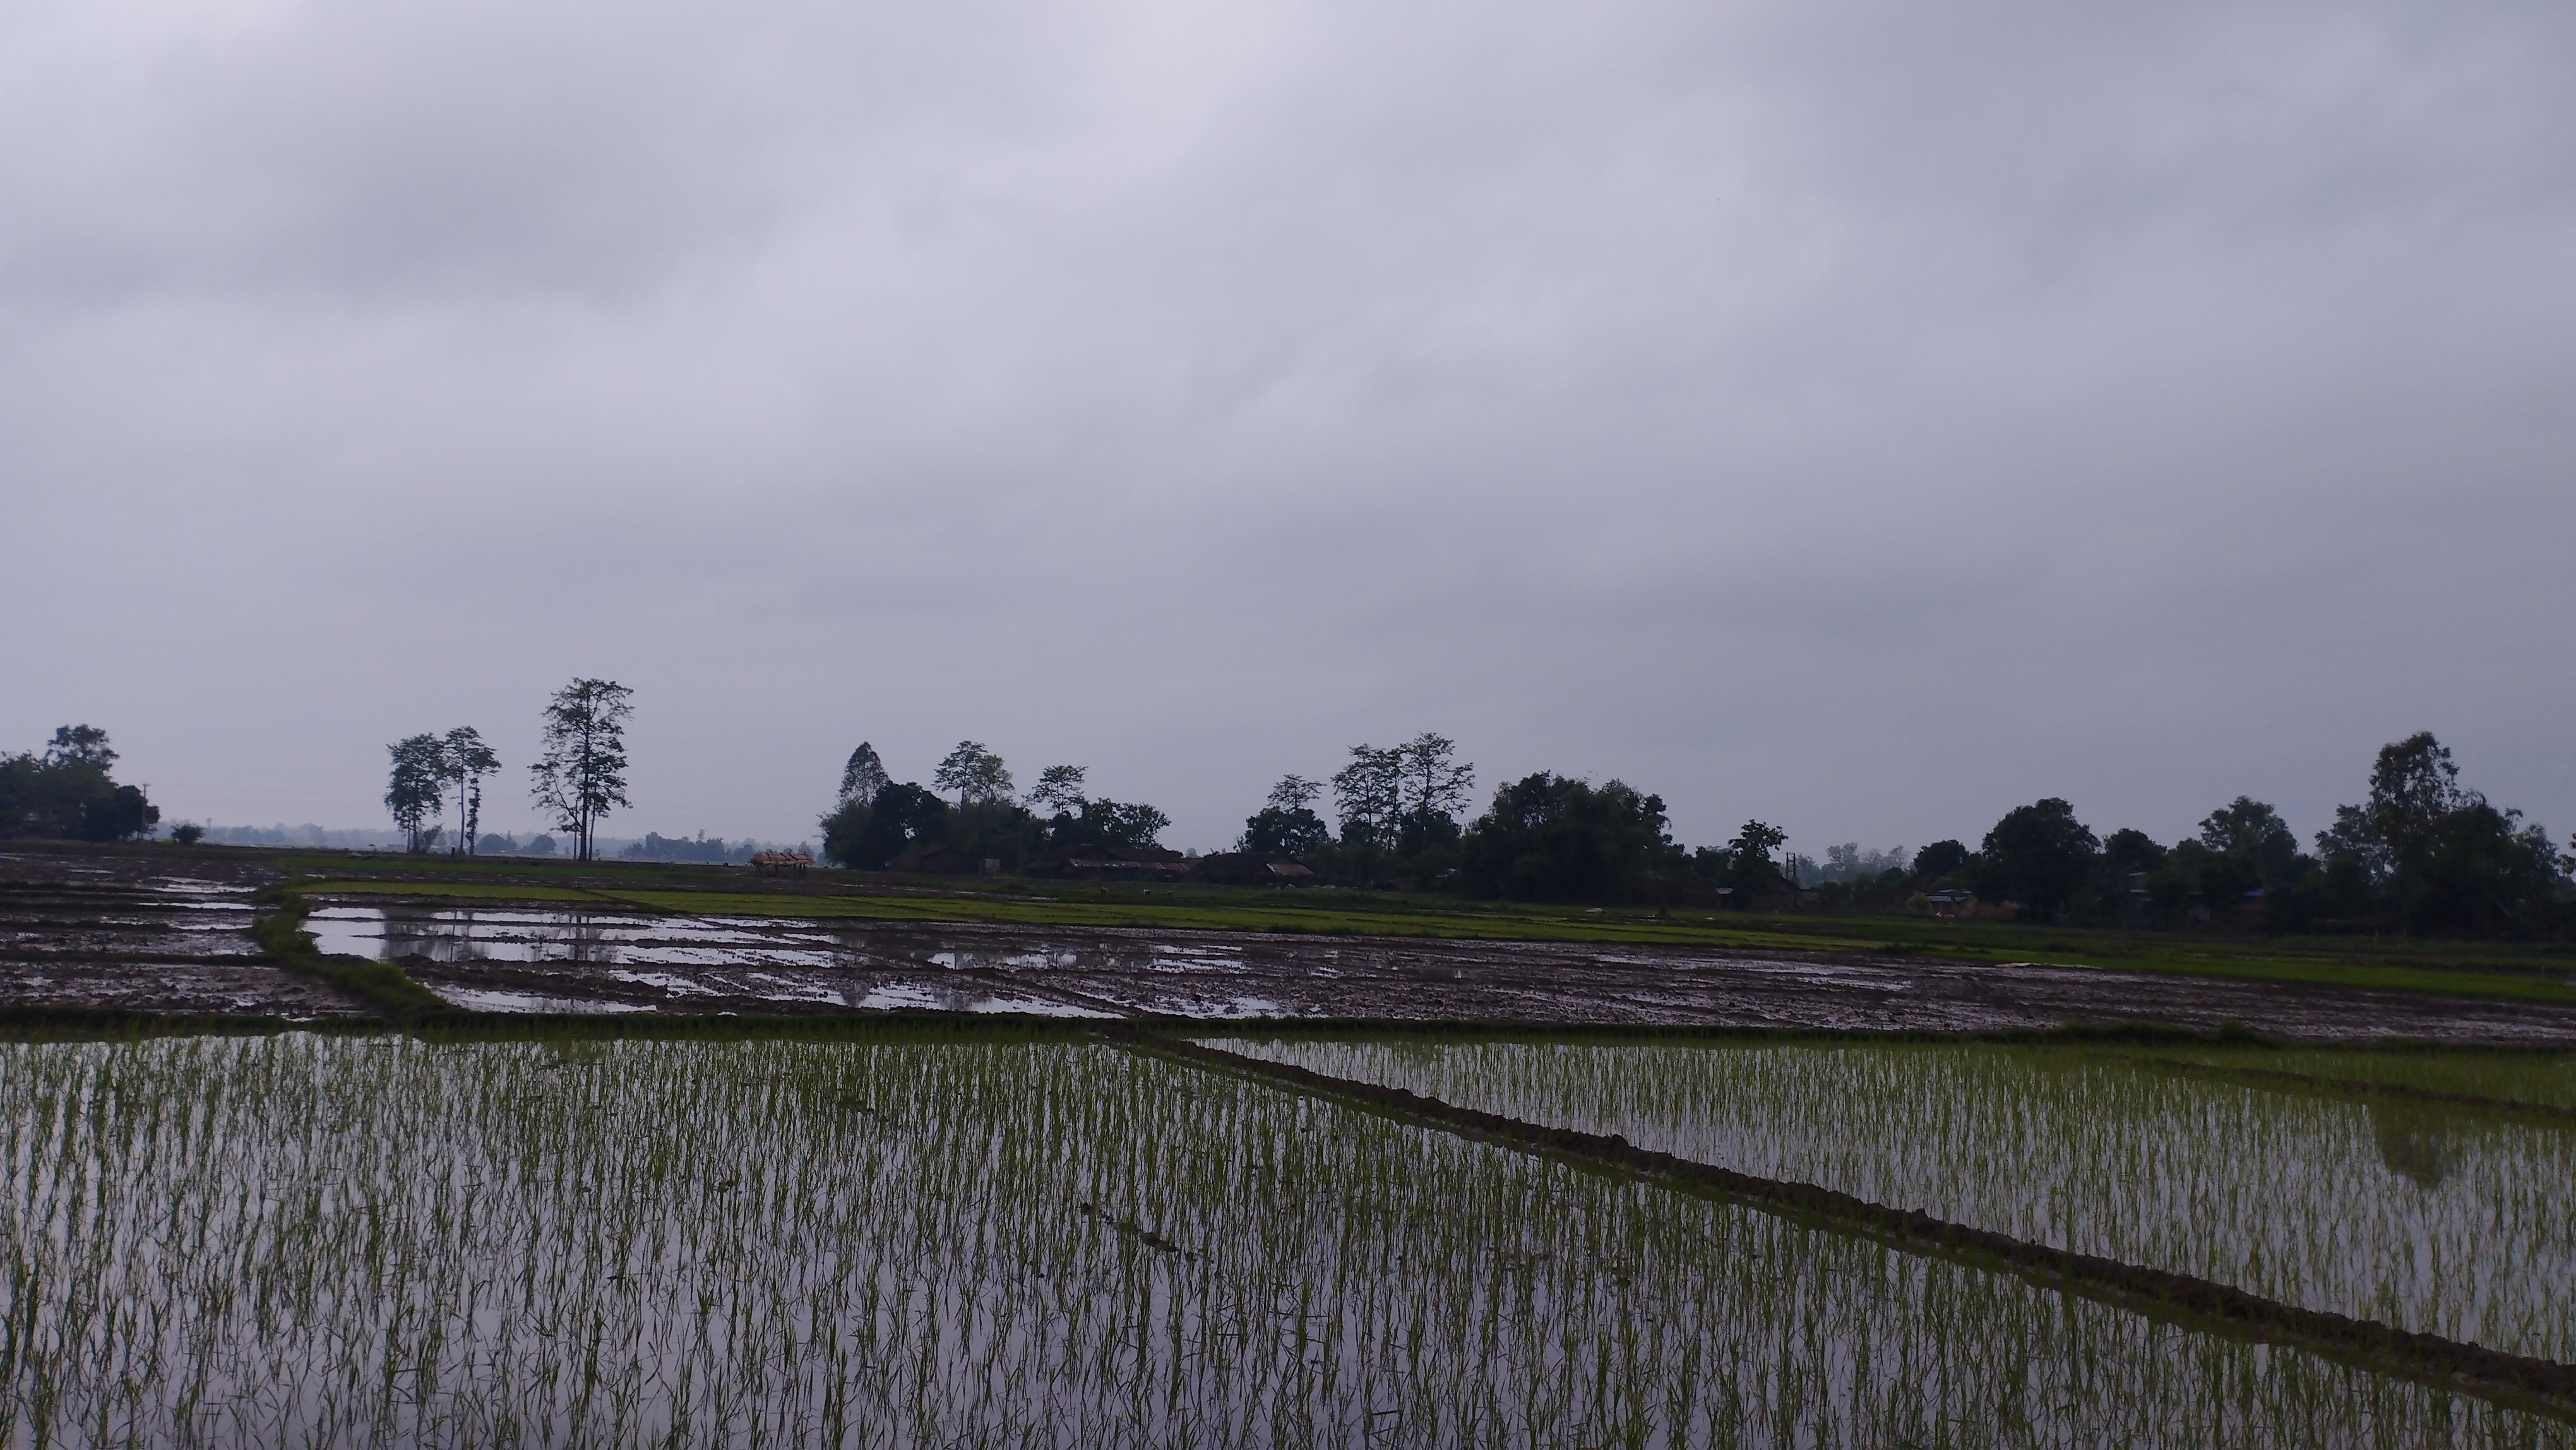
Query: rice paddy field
x,y
2426,1216
943,1239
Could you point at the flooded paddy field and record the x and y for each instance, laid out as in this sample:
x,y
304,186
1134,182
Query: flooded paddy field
x,y
505,958
2438,1217
134,932
149,945
350,1239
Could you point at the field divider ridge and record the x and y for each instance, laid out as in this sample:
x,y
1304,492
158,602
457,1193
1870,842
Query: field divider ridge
x,y
2539,1385
381,985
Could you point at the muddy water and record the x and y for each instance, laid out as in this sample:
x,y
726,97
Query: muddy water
x,y
129,932
551,959
156,944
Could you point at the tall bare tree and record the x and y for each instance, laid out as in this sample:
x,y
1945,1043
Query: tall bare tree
x,y
582,775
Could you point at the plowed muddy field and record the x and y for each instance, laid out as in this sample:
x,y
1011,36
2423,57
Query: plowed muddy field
x,y
76,932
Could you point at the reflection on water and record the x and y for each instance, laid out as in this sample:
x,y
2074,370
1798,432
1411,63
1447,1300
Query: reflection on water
x,y
2418,1142
453,936
697,960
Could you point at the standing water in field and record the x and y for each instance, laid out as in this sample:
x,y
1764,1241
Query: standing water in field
x,y
345,1239
2435,1218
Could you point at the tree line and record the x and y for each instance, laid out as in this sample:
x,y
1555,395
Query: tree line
x,y
876,820
2421,854
577,779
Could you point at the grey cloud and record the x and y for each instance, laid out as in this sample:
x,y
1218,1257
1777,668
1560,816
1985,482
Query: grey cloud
x,y
1862,416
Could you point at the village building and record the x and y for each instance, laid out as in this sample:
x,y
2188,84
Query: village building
x,y
1111,863
1250,868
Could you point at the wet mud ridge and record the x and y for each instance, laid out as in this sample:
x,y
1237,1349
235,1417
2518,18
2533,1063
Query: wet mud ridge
x,y
2543,1385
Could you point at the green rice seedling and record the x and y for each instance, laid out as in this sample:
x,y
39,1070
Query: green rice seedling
x,y
2432,1220
338,1240
2544,1078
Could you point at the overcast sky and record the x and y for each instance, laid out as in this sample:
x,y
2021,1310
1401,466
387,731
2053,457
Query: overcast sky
x,y
1867,418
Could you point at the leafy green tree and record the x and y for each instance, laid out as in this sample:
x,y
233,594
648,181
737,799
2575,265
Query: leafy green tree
x,y
416,789
581,776
1553,838
1431,788
2433,856
80,745
1368,796
1058,791
2253,834
187,833
2039,855
2127,851
1286,825
974,773
1941,861
863,776
902,816
68,791
469,761
1113,823
116,814
1399,804
1750,869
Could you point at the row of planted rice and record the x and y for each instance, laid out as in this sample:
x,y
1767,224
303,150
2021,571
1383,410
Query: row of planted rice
x,y
2434,1217
339,1240
2541,1078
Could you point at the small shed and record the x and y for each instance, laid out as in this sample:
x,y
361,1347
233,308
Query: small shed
x,y
780,863
1251,868
1111,863
935,861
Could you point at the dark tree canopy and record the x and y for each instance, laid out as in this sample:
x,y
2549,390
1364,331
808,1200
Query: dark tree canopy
x,y
68,792
1286,824
1939,860
468,761
80,745
1552,838
974,774
2039,855
2433,856
901,815
416,786
1750,871
1114,823
582,775
1059,790
2253,835
863,776
1368,797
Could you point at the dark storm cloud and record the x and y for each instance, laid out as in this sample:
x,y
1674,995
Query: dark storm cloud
x,y
1865,417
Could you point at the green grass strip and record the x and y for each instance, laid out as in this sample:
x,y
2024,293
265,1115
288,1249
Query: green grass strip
x,y
381,985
